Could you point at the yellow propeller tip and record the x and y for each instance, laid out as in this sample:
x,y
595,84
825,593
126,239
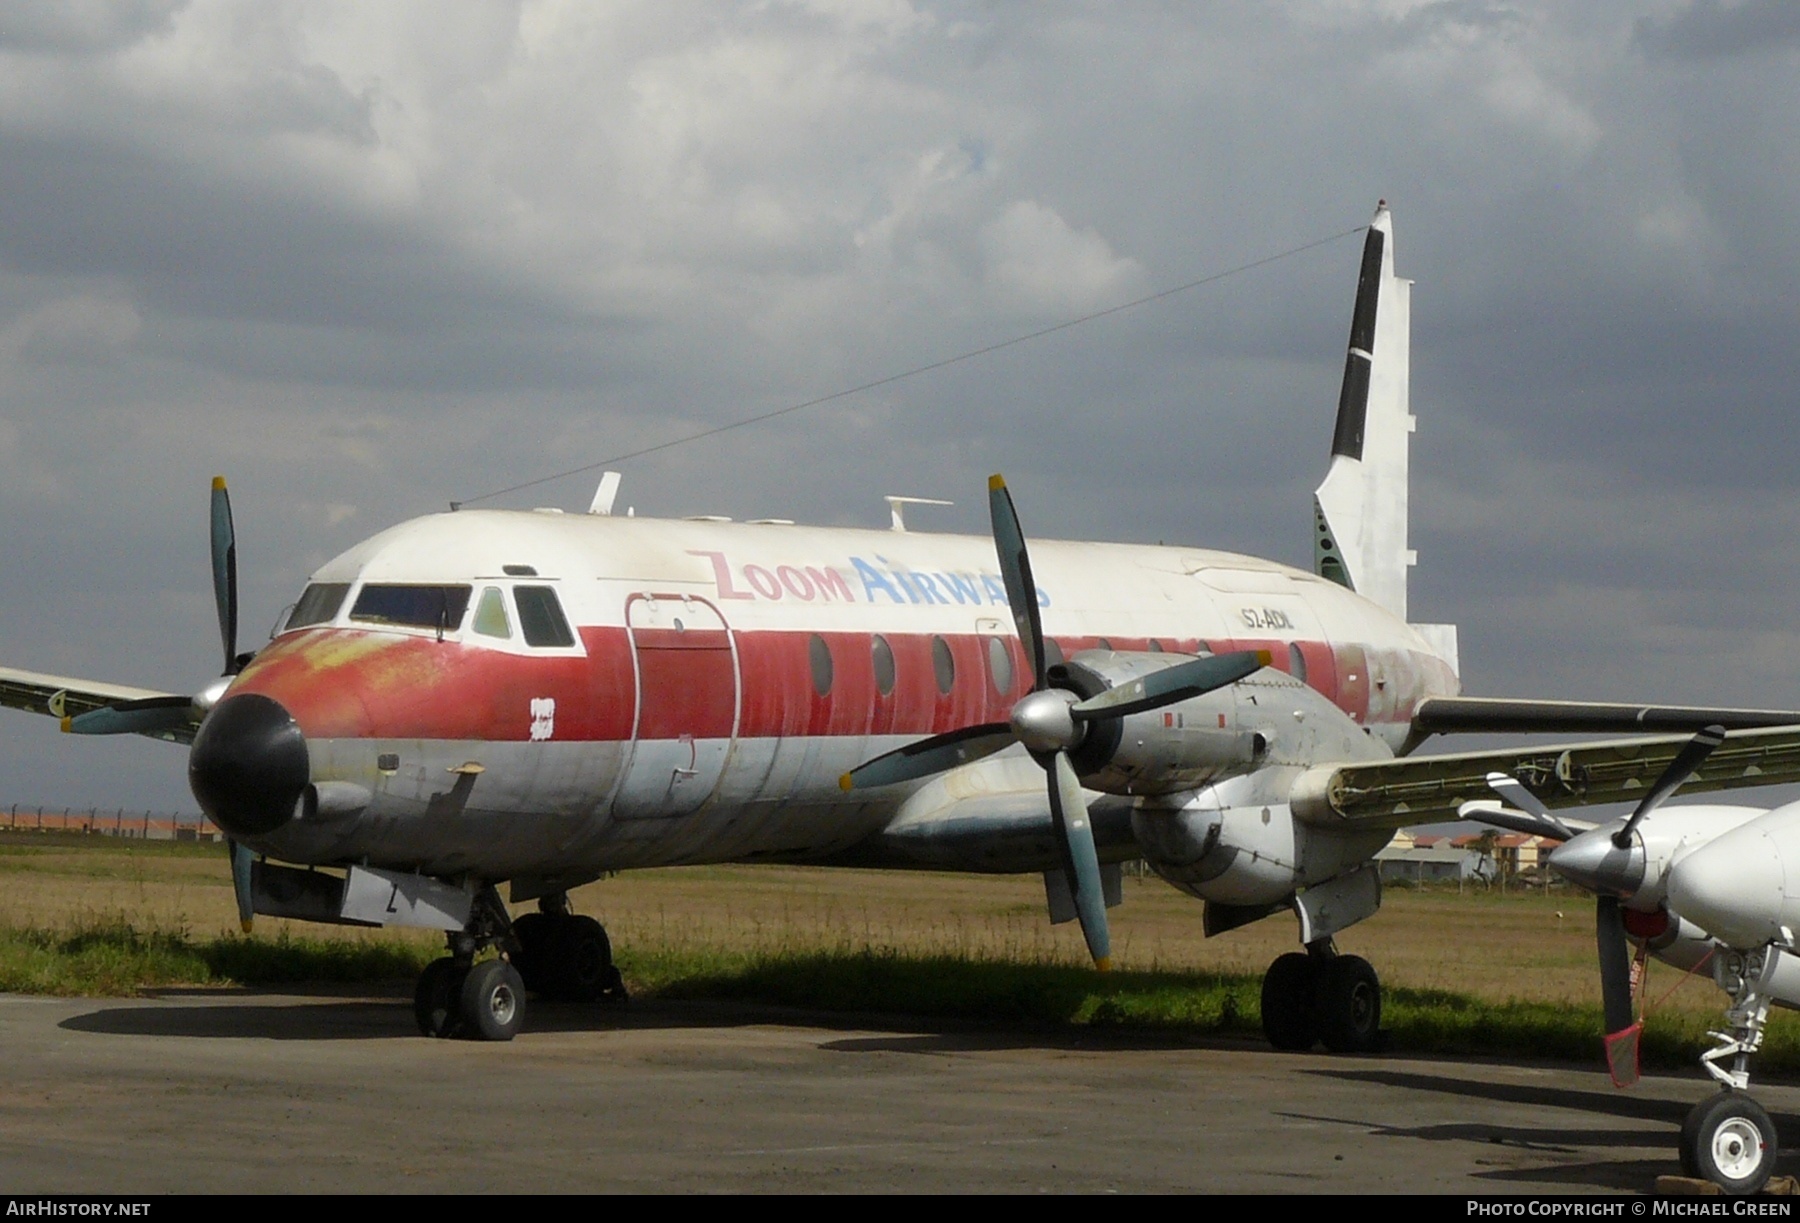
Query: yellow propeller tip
x,y
65,725
1103,964
996,483
246,924
1265,657
218,483
846,784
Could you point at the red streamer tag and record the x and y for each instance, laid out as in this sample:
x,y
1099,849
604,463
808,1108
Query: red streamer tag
x,y
1622,1055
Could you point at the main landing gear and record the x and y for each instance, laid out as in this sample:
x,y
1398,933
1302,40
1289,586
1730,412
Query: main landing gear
x,y
1318,995
1729,1139
552,953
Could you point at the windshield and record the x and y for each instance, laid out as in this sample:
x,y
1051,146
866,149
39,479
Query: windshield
x,y
439,607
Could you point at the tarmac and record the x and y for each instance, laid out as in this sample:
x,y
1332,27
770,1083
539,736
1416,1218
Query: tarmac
x,y
210,1091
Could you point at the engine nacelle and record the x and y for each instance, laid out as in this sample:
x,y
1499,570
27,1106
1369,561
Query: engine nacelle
x,y
1182,746
1737,885
1236,842
1641,872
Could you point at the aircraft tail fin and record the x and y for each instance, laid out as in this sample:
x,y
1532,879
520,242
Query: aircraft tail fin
x,y
1360,511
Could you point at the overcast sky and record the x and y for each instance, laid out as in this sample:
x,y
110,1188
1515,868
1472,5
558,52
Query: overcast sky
x,y
368,258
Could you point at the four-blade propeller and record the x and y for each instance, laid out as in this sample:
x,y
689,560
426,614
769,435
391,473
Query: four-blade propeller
x,y
159,714
1605,861
1050,722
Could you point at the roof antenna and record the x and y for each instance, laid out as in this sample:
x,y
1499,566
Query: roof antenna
x,y
896,507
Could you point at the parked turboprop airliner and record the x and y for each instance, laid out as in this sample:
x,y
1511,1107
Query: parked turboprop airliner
x,y
532,699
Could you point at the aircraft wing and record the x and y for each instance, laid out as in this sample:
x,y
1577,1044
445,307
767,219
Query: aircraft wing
x,y
1429,789
1441,715
59,696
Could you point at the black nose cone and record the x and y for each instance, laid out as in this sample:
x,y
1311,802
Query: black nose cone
x,y
248,766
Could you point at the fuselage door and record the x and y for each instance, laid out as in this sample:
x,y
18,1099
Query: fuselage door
x,y
687,705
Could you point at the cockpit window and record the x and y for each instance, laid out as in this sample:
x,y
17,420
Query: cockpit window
x,y
318,603
439,607
490,614
540,615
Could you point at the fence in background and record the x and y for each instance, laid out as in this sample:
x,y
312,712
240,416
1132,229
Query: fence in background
x,y
108,822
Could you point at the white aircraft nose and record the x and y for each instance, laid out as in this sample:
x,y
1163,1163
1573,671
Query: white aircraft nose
x,y
1734,888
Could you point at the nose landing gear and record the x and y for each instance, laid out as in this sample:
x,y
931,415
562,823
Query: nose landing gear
x,y
552,953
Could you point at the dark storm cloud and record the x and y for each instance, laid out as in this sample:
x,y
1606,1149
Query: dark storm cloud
x,y
1709,29
82,26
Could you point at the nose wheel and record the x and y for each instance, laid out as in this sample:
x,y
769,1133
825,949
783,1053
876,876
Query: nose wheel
x,y
1730,1141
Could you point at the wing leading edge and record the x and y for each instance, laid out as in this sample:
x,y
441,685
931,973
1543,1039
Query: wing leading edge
x,y
1429,789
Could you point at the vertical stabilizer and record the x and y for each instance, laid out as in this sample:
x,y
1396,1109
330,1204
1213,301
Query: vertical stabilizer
x,y
1359,512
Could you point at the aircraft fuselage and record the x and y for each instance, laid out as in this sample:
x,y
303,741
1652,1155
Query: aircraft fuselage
x,y
716,679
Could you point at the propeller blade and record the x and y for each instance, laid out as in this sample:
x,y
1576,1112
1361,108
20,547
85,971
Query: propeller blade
x,y
1015,570
241,859
1177,683
1680,769
1069,810
1487,811
1513,791
224,571
146,716
929,756
1615,962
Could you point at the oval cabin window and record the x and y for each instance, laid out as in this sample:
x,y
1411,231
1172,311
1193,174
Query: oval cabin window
x,y
883,657
819,652
944,664
1000,667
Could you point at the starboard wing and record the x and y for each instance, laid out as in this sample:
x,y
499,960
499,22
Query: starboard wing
x,y
1430,789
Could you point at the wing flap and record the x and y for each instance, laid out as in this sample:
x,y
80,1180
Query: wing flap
x,y
1429,789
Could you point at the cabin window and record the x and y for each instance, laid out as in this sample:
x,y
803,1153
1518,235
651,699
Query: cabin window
x,y
1155,646
1000,667
818,651
944,664
1296,662
490,614
541,616
439,607
883,657
1101,643
318,604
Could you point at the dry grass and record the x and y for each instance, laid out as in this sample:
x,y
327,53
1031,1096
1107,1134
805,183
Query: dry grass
x,y
1499,948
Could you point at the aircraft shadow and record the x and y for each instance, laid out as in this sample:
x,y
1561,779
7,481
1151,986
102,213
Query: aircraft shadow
x,y
1636,1174
346,1020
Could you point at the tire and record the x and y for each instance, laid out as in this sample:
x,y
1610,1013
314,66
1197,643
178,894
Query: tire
x,y
492,1002
1730,1141
1287,1002
1348,1005
436,997
584,967
536,934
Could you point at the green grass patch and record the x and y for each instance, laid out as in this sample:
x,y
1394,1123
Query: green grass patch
x,y
1062,996
109,956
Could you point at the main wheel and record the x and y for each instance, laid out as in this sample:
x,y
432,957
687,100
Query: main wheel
x,y
584,968
536,933
1287,1002
1348,1005
436,998
1730,1141
492,1003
